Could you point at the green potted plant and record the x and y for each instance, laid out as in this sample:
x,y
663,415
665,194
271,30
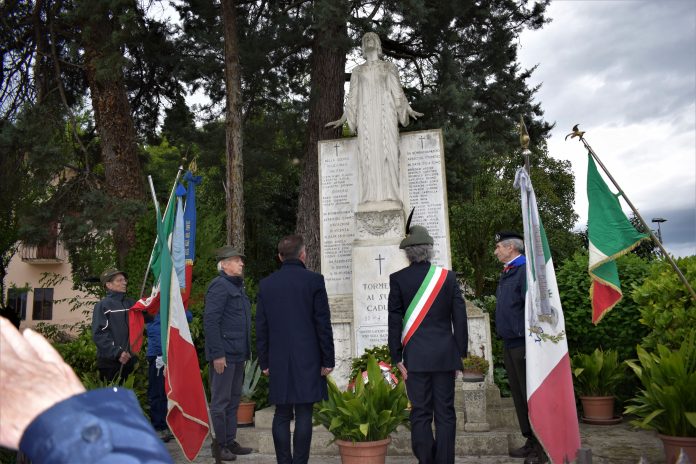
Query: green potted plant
x,y
362,418
596,376
252,373
667,401
475,368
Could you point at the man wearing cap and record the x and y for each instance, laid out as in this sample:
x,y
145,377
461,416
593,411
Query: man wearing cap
x,y
110,328
294,339
428,336
509,325
227,329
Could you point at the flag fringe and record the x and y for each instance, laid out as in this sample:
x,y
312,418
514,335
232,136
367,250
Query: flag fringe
x,y
616,255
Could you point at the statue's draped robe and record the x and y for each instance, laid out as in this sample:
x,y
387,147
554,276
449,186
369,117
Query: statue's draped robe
x,y
376,105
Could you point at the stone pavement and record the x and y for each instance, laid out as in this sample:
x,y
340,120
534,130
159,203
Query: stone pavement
x,y
610,444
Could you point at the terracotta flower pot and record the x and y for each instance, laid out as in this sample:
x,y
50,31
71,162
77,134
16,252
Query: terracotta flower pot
x,y
674,444
245,413
598,407
367,452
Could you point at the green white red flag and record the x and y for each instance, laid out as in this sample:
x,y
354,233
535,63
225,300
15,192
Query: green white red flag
x,y
550,394
187,415
610,235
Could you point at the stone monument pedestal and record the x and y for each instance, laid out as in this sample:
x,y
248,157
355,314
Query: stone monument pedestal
x,y
475,407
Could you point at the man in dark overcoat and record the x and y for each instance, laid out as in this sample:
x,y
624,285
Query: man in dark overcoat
x,y
428,337
227,329
295,347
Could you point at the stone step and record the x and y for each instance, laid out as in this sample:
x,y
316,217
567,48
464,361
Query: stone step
x,y
496,442
493,443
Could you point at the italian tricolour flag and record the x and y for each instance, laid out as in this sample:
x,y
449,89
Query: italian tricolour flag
x,y
550,395
187,415
610,235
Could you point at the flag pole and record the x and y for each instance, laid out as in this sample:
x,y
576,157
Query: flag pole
x,y
580,135
524,142
154,200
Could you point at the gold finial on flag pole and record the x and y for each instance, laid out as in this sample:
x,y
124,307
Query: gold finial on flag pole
x,y
524,143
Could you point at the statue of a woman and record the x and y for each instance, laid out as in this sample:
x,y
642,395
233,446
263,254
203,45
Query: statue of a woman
x,y
375,106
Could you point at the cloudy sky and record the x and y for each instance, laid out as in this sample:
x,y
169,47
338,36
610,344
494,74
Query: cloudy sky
x,y
626,71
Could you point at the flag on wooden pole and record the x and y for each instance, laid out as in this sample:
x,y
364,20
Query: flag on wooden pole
x,y
187,416
610,235
550,395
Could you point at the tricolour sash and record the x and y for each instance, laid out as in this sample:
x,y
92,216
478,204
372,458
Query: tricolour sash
x,y
423,301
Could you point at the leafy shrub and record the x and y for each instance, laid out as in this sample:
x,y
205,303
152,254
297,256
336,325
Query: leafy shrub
x,y
667,401
666,307
619,329
598,373
475,363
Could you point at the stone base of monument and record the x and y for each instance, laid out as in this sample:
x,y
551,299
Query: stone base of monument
x,y
500,414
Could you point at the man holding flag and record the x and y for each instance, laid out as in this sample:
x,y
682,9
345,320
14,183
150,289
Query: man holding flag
x,y
509,325
549,384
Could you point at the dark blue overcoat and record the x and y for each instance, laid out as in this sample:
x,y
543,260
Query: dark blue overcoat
x,y
293,334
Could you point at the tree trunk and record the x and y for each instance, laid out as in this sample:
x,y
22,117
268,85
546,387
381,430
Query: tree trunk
x,y
112,115
325,104
234,187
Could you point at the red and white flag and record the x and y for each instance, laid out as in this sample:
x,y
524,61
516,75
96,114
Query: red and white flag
x,y
550,395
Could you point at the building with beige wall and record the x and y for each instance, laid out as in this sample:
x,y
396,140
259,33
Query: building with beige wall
x,y
39,287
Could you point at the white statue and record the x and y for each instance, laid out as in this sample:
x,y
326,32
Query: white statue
x,y
375,106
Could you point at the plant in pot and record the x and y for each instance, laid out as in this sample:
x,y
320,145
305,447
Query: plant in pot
x,y
363,418
475,368
667,401
252,373
596,376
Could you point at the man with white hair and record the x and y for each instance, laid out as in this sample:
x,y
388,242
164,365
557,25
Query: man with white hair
x,y
509,325
227,329
428,337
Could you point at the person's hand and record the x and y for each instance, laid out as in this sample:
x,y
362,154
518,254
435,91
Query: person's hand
x,y
336,123
414,114
219,365
124,358
326,371
402,368
265,372
33,377
457,374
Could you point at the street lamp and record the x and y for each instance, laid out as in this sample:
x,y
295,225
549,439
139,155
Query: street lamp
x,y
659,221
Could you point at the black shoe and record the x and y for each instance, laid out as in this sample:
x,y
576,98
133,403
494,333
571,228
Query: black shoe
x,y
537,456
238,449
225,454
523,451
165,435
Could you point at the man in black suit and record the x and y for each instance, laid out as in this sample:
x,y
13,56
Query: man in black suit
x,y
428,336
295,347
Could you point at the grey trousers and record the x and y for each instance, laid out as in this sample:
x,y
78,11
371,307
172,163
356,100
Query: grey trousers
x,y
225,391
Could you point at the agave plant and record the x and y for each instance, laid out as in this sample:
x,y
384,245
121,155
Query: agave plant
x,y
252,373
667,402
598,373
367,412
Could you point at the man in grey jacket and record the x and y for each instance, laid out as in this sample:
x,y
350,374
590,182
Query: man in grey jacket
x,y
227,328
110,328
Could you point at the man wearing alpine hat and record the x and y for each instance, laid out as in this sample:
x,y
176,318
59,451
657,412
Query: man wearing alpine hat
x,y
428,338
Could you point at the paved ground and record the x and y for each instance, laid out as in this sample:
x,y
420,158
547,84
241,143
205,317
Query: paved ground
x,y
614,444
